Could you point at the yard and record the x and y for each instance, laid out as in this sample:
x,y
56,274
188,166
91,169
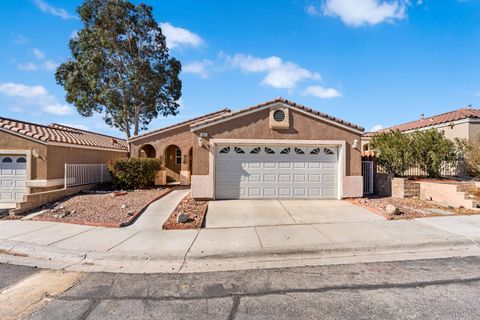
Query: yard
x,y
101,207
409,208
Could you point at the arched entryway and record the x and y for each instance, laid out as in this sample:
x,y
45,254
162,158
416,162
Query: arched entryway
x,y
173,163
147,151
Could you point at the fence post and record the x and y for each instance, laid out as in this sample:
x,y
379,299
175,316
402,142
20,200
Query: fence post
x,y
101,173
65,177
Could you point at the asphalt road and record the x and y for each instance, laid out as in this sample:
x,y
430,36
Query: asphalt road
x,y
423,289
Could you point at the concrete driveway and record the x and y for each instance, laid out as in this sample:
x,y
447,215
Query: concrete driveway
x,y
251,213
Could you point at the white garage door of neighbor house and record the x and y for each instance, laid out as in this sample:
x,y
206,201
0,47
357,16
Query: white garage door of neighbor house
x,y
13,177
253,172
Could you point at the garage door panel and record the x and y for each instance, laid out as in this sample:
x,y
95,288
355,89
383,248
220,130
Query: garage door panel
x,y
266,175
13,176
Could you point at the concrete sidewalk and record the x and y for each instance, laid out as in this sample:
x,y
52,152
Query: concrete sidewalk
x,y
83,248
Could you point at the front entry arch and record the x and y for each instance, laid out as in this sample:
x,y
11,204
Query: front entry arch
x,y
173,163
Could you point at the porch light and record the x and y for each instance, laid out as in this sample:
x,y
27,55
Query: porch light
x,y
355,144
200,141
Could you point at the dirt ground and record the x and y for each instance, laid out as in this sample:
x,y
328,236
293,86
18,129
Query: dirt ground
x,y
100,206
410,208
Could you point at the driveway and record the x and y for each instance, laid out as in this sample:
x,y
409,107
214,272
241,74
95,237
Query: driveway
x,y
250,213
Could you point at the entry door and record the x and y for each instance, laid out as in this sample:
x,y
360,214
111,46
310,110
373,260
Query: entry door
x,y
263,172
13,177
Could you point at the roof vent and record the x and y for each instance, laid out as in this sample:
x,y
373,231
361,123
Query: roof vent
x,y
422,116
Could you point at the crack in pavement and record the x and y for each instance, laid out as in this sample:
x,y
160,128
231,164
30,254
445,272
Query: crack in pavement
x,y
366,287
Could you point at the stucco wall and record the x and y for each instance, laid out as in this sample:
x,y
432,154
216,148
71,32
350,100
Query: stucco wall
x,y
57,156
12,142
256,126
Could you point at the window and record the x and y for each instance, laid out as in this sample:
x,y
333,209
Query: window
x,y
21,160
7,160
299,151
269,150
279,115
178,156
238,150
315,151
225,150
255,150
328,151
285,151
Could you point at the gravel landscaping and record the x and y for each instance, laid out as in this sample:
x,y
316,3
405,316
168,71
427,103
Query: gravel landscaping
x,y
100,207
409,208
189,214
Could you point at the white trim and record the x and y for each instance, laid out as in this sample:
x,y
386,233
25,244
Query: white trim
x,y
277,104
340,144
45,183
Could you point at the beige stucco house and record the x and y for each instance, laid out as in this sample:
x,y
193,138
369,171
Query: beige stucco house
x,y
276,149
461,123
33,156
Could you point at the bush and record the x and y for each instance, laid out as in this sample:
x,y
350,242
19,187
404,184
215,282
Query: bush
x,y
472,157
134,173
394,151
431,150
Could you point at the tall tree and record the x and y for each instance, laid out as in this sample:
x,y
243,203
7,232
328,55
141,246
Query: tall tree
x,y
120,66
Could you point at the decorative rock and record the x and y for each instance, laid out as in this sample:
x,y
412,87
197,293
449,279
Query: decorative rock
x,y
56,216
130,213
124,206
183,218
391,209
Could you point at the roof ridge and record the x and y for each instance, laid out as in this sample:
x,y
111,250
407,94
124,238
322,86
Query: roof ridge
x,y
182,123
82,130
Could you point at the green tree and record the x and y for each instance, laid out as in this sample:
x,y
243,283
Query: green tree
x,y
472,156
394,151
120,66
431,150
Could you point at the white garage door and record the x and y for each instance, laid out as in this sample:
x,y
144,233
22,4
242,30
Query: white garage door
x,y
13,177
244,172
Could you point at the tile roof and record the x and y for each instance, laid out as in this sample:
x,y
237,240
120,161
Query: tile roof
x,y
61,134
276,100
446,117
184,123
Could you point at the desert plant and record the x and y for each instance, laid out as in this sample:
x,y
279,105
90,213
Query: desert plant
x,y
472,157
134,173
394,151
431,151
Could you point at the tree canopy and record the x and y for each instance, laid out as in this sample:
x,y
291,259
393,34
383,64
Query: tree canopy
x,y
120,66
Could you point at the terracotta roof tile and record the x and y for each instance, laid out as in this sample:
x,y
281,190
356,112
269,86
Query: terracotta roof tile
x,y
212,115
446,117
62,134
338,120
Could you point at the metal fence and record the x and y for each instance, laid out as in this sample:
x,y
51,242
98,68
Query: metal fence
x,y
368,176
81,174
447,170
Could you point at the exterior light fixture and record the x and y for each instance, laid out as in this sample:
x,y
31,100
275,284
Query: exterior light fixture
x,y
355,144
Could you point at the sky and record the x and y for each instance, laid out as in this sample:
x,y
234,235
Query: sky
x,y
374,63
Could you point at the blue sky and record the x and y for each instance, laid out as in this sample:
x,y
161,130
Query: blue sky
x,y
374,63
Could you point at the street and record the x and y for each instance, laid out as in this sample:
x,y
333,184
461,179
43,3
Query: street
x,y
417,289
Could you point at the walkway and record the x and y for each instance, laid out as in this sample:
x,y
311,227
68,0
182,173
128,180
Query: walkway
x,y
149,249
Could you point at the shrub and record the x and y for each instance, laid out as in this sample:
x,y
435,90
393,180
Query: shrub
x,y
394,151
472,157
431,150
134,173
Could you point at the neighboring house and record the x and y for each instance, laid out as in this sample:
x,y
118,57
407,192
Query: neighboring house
x,y
33,156
461,123
277,149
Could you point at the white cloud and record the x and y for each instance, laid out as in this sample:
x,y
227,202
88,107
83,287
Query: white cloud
x,y
47,65
313,10
73,34
33,97
178,37
321,92
376,128
21,39
278,73
39,54
365,12
200,68
47,8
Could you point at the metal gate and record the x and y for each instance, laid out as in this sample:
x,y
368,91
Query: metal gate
x,y
367,173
